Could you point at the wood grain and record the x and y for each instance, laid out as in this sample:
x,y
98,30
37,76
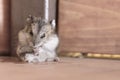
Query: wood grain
x,y
89,26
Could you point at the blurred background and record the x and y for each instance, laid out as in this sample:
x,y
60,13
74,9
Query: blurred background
x,y
86,26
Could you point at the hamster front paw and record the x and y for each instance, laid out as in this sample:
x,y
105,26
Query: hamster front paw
x,y
56,59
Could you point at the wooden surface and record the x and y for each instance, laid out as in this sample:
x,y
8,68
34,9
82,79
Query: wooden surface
x,y
66,69
89,26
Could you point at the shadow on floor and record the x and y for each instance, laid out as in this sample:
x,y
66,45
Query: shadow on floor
x,y
10,60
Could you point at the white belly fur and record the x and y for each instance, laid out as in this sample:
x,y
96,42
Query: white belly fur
x,y
47,51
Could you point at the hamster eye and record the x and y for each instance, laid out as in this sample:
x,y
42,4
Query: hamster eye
x,y
31,33
42,36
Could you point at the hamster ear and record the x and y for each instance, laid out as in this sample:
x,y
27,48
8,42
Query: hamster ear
x,y
53,23
39,18
29,19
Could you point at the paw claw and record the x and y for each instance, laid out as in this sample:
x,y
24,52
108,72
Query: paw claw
x,y
56,59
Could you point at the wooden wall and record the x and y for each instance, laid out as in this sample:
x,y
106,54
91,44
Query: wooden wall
x,y
89,26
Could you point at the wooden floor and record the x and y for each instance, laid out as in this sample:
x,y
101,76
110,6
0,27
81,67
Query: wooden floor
x,y
66,69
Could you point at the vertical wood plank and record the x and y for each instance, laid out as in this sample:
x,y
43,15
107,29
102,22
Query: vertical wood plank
x,y
89,26
4,27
